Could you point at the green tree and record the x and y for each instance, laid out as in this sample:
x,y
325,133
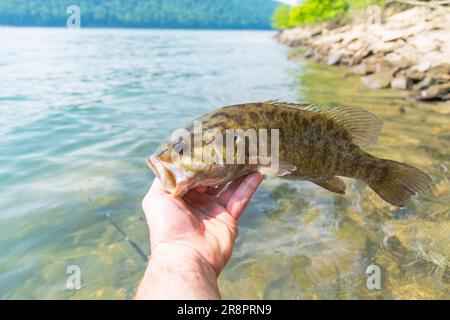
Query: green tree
x,y
280,18
313,11
221,14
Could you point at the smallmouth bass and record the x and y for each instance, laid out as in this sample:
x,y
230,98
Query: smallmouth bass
x,y
315,143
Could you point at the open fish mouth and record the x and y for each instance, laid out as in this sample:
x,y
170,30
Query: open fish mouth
x,y
171,177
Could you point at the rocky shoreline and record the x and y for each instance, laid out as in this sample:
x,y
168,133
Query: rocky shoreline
x,y
409,50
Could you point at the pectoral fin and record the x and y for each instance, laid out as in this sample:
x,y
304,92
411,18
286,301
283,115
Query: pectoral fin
x,y
336,185
281,170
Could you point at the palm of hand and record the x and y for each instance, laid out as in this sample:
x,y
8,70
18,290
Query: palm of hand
x,y
199,221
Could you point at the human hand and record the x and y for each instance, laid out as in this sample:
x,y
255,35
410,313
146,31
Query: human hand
x,y
192,239
200,221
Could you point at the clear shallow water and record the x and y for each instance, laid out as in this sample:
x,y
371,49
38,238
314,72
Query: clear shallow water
x,y
81,110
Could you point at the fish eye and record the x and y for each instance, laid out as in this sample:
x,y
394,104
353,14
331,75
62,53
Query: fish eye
x,y
178,148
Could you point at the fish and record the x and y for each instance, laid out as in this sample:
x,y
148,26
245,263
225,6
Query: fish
x,y
314,143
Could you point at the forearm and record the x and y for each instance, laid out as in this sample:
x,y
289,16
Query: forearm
x,y
176,274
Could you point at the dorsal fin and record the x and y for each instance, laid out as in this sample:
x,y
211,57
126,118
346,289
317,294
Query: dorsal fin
x,y
363,126
304,107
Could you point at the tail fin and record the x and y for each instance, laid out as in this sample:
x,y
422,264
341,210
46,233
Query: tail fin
x,y
400,182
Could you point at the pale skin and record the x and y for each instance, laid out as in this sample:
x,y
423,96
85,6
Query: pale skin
x,y
192,239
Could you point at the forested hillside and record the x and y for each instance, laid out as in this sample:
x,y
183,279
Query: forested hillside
x,y
220,14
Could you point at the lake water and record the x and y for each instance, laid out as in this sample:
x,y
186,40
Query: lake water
x,y
81,110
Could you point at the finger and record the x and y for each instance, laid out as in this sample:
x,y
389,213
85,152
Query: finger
x,y
228,190
243,194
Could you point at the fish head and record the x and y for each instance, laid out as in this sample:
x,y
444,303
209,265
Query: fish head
x,y
180,170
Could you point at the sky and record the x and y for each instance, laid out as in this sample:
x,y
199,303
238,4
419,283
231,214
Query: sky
x,y
288,2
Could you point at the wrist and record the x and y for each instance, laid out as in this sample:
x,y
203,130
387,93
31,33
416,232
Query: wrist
x,y
178,272
167,256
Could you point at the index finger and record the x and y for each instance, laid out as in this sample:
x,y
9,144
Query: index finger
x,y
243,194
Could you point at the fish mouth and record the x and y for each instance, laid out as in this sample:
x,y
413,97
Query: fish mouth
x,y
172,179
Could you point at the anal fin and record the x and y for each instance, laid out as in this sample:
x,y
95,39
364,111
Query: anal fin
x,y
336,185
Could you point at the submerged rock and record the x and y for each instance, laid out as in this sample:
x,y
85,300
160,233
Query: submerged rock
x,y
378,80
401,82
424,84
363,69
334,59
435,92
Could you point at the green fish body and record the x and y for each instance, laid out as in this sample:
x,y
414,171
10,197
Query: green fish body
x,y
315,143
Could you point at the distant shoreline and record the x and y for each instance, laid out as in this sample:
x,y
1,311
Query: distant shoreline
x,y
140,14
138,28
